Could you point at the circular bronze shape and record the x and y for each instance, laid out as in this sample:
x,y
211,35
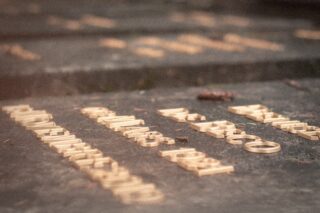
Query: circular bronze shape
x,y
264,147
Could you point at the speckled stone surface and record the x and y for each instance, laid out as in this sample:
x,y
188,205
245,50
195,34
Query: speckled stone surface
x,y
33,178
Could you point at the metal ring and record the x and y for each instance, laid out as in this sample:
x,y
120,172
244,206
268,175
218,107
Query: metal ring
x,y
269,147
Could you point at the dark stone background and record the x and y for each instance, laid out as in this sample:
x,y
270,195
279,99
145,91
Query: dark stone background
x,y
73,63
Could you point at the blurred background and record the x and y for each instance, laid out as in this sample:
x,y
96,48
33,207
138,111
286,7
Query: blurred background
x,y
55,47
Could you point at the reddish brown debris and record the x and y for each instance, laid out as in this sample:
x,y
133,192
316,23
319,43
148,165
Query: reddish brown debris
x,y
182,139
216,95
295,84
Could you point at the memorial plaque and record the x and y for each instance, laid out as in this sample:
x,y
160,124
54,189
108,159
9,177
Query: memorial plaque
x,y
35,177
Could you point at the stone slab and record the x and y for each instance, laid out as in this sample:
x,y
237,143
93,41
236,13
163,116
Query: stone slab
x,y
35,179
82,65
